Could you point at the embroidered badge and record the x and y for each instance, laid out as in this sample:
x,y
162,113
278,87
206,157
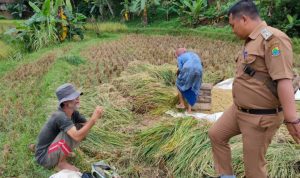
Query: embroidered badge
x,y
275,51
266,33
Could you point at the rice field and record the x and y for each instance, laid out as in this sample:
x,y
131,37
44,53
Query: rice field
x,y
132,76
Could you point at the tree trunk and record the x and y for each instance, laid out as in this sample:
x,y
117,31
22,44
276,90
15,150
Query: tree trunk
x,y
145,17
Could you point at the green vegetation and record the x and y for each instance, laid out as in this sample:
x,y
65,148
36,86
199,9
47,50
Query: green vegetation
x,y
106,27
49,25
128,68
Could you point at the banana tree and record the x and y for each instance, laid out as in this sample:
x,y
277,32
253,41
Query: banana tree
x,y
141,6
101,4
192,9
168,7
46,26
125,11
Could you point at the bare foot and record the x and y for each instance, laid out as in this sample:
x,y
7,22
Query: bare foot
x,y
65,165
180,106
189,110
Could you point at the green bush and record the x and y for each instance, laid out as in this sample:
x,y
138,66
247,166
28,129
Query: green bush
x,y
283,14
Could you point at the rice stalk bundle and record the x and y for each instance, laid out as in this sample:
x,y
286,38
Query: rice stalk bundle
x,y
283,160
148,94
185,147
114,118
150,141
193,156
103,140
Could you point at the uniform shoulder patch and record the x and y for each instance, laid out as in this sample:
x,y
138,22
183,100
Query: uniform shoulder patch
x,y
275,51
266,33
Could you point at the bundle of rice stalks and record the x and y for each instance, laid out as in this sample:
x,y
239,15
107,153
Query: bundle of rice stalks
x,y
113,132
185,148
165,73
182,144
116,116
103,140
283,160
148,93
150,141
193,154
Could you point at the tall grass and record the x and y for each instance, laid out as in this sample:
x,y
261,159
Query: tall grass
x,y
5,50
106,27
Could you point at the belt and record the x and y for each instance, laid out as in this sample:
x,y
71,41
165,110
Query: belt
x,y
261,111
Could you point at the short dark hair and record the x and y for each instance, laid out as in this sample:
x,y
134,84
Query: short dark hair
x,y
244,7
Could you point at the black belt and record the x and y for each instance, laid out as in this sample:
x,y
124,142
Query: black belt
x,y
261,111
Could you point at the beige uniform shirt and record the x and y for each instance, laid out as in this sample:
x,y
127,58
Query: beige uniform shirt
x,y
268,51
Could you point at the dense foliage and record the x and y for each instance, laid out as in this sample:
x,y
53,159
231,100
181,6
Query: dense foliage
x,y
283,14
52,23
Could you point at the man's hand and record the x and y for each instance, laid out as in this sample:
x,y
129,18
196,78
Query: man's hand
x,y
97,113
294,130
79,135
286,97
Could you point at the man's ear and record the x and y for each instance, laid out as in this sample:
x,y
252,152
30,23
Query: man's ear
x,y
245,19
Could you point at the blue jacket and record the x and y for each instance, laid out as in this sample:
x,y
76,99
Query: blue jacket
x,y
190,72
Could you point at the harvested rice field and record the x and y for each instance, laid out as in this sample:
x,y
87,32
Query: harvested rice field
x,y
133,77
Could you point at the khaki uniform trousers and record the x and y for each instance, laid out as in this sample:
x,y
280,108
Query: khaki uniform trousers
x,y
257,133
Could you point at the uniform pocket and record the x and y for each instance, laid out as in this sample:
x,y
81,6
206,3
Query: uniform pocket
x,y
272,120
251,119
250,59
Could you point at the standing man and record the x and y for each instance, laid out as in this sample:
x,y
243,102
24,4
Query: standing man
x,y
262,93
64,130
189,77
